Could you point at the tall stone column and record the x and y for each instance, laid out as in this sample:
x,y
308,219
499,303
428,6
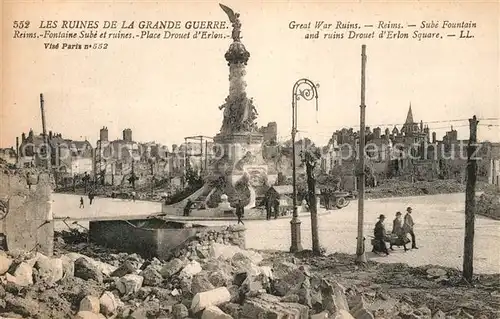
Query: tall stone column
x,y
237,84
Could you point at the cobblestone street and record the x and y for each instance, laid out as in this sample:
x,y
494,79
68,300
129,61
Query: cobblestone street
x,y
439,228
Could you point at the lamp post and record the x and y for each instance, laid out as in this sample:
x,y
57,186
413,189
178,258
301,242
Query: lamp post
x,y
308,93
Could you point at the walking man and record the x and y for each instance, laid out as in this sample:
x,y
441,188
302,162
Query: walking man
x,y
408,227
91,197
397,229
81,203
240,211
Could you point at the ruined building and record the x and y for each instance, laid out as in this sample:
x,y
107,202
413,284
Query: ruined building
x,y
66,157
116,160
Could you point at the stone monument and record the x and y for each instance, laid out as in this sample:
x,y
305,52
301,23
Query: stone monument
x,y
239,144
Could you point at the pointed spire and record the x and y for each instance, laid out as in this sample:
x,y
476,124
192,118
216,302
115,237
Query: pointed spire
x,y
409,116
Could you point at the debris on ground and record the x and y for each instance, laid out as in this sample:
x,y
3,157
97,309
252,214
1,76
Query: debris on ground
x,y
229,282
488,203
397,188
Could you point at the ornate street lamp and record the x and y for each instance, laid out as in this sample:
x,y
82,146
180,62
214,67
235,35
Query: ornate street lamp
x,y
308,92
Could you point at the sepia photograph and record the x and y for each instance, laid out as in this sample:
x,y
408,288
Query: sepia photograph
x,y
244,159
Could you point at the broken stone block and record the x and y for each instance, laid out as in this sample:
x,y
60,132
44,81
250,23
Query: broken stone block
x,y
282,269
90,304
23,275
104,268
213,297
321,315
151,277
200,283
291,298
32,258
222,251
268,306
108,303
227,252
5,263
266,271
191,269
172,267
243,263
68,266
129,284
334,298
220,279
26,307
232,309
287,278
50,270
125,268
214,312
255,285
148,309
89,315
180,311
85,270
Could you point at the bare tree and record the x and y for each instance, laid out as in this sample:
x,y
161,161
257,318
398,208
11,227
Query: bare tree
x,y
310,158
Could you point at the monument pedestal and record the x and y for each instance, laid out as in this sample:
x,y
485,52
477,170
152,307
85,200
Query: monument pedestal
x,y
239,155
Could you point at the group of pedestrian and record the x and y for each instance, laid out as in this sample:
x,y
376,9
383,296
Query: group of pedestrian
x,y
401,228
272,208
91,199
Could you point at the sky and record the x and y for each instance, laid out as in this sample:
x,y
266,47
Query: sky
x,y
165,90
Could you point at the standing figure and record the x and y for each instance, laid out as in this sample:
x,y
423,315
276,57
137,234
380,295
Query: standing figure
x,y
268,208
408,227
133,196
276,208
81,203
240,211
397,229
187,208
380,235
91,197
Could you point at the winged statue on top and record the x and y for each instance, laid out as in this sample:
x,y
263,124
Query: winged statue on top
x,y
234,18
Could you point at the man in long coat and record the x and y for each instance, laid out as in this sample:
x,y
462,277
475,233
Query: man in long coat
x,y
408,227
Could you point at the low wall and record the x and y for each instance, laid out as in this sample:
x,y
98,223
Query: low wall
x,y
26,219
164,240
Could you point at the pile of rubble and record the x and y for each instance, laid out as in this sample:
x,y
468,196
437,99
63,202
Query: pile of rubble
x,y
227,283
224,282
488,203
397,188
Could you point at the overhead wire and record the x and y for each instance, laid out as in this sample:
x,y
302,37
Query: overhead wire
x,y
330,133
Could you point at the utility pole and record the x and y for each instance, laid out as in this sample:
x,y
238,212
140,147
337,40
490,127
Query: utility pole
x,y
185,164
201,155
470,201
206,155
44,132
360,246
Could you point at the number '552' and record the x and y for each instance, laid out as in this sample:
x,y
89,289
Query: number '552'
x,y
21,24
